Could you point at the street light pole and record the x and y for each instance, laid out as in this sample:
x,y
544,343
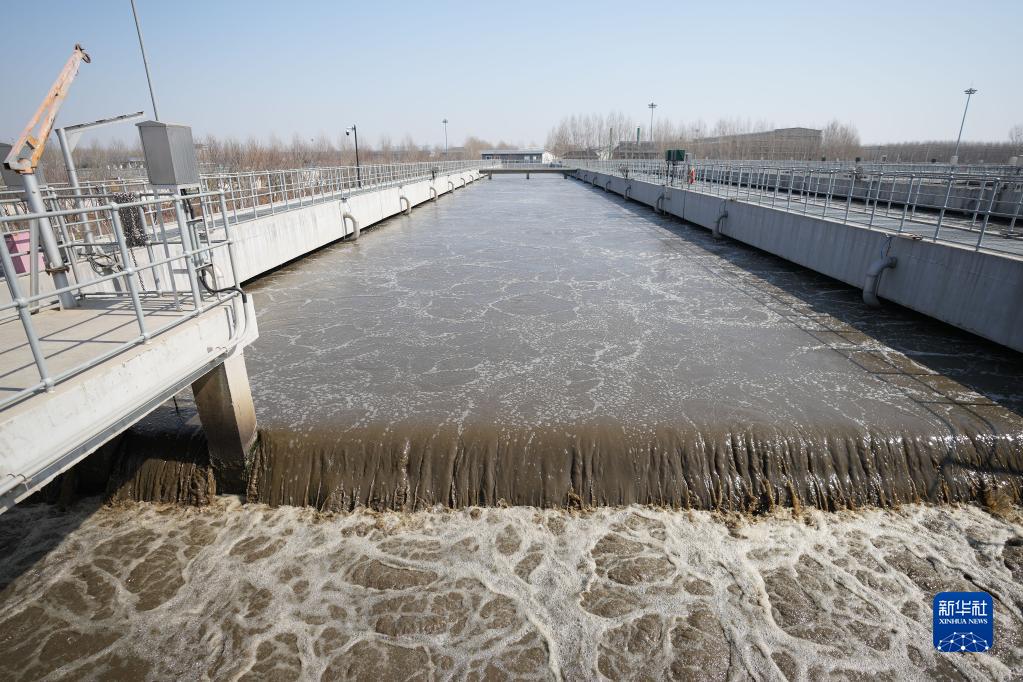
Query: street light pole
x,y
969,92
445,122
652,107
358,167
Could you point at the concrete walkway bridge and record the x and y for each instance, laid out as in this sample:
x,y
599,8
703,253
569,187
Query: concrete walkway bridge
x,y
155,305
499,167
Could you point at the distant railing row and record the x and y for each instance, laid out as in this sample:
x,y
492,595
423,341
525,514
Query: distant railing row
x,y
999,170
982,211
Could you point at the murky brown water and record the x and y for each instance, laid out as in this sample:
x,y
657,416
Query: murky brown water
x,y
257,593
539,343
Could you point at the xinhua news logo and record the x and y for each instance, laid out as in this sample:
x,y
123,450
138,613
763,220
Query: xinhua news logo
x,y
964,622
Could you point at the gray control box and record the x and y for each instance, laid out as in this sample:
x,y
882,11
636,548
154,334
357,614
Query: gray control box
x,y
170,154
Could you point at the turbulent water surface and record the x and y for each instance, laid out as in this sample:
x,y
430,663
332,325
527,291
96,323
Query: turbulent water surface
x,y
258,593
539,343
536,342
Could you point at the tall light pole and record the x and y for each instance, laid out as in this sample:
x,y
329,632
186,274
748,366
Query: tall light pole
x,y
969,92
652,107
445,122
145,62
358,168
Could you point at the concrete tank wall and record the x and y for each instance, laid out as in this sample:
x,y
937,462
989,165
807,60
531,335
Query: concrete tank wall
x,y
270,241
976,291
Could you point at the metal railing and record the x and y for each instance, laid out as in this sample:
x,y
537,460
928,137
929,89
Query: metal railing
x,y
288,187
120,240
1000,170
980,211
79,213
179,282
268,191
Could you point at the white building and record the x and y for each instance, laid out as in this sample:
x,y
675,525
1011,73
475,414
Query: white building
x,y
521,155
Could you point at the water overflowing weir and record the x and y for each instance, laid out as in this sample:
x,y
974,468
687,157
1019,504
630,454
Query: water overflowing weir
x,y
539,343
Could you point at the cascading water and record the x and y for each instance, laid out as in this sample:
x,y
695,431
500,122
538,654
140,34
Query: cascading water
x,y
540,344
554,347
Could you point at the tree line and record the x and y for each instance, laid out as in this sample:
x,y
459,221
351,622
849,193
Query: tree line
x,y
739,138
95,160
597,134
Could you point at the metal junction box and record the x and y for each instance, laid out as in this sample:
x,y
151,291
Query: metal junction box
x,y
170,154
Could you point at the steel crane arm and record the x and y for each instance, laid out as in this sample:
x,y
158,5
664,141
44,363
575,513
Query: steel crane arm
x,y
28,149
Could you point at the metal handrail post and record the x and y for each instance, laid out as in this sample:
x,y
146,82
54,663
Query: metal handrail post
x,y
912,210
65,237
23,313
270,192
234,201
189,254
1015,215
905,204
891,194
54,261
977,205
128,270
877,194
167,254
990,208
827,197
849,196
806,196
253,195
149,251
229,237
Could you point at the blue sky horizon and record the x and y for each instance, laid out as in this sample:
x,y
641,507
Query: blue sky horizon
x,y
510,72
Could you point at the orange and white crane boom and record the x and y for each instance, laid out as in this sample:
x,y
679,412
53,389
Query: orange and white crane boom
x,y
28,149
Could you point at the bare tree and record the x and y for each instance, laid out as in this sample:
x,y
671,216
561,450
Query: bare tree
x,y
1016,135
840,141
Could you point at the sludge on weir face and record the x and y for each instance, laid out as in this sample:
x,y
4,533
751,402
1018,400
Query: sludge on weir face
x,y
539,343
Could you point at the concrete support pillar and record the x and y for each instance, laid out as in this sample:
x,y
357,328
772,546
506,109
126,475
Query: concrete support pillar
x,y
228,417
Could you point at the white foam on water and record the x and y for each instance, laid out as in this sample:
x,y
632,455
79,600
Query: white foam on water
x,y
251,592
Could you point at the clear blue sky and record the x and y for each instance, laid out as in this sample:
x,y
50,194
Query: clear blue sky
x,y
509,70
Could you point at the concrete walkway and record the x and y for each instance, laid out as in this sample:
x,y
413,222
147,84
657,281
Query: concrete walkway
x,y
45,432
955,228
